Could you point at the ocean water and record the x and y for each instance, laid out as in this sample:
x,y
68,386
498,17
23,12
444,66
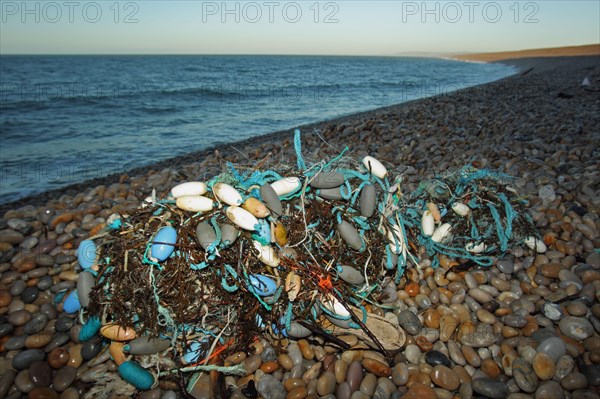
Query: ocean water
x,y
67,119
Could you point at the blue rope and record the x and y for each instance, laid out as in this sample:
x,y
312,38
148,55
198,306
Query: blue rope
x,y
232,272
287,319
298,147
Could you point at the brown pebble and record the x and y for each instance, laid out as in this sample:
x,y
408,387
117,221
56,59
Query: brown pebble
x,y
485,317
444,377
70,393
340,370
19,318
431,317
297,393
543,366
423,344
65,217
252,364
269,367
292,383
306,349
490,367
42,393
577,308
376,367
531,326
550,269
58,358
462,374
75,358
471,355
312,372
5,298
40,374
574,381
448,325
38,340
420,391
64,378
326,383
285,361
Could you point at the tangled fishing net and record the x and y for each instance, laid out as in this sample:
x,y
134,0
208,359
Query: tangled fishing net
x,y
283,252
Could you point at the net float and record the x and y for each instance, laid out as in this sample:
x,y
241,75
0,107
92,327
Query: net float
x,y
227,194
194,203
374,167
427,223
241,217
189,188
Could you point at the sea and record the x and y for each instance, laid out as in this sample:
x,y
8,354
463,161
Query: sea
x,y
67,119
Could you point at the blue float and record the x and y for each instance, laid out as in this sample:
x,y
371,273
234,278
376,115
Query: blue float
x,y
90,328
167,236
136,375
86,254
71,304
263,285
193,352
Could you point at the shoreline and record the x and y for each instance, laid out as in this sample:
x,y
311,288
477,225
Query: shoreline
x,y
226,148
539,64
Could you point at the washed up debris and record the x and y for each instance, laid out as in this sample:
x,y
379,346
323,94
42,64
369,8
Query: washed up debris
x,y
285,252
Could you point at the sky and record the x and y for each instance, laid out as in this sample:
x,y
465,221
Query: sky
x,y
343,27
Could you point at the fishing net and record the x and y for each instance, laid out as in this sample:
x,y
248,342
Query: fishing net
x,y
315,257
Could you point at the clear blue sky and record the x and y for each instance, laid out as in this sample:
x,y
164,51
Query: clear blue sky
x,y
286,27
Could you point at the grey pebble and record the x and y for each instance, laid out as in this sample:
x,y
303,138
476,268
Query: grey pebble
x,y
24,359
577,328
36,324
64,324
513,320
268,354
49,310
17,288
45,283
490,388
59,339
543,333
23,382
410,322
90,349
29,243
6,329
30,294
6,380
270,388
506,265
44,260
524,375
549,390
15,342
552,311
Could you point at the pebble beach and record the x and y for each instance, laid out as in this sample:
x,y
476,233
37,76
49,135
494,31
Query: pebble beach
x,y
526,327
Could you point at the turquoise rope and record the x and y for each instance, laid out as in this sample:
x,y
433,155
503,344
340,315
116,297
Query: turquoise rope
x,y
232,272
298,146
